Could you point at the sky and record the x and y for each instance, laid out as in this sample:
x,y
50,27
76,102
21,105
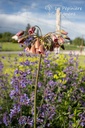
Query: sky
x,y
16,14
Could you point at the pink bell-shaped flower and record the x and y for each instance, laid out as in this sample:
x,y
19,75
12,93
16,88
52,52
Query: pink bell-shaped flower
x,y
37,43
60,41
20,33
21,40
57,45
66,37
15,37
41,49
63,32
27,49
33,50
31,30
54,38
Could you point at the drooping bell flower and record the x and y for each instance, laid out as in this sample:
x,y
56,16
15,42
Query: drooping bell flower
x,y
27,49
21,40
57,45
20,33
54,38
31,30
62,46
41,49
63,32
33,50
66,37
61,40
37,43
37,51
58,35
15,37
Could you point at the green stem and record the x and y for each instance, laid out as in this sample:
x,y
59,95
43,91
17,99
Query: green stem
x,y
36,86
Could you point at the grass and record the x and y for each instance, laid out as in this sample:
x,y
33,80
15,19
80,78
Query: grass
x,y
71,47
9,46
82,61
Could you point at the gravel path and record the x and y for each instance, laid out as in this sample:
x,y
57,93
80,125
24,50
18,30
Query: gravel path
x,y
61,52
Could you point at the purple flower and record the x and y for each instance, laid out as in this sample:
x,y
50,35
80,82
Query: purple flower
x,y
46,114
27,54
82,124
15,110
27,63
1,66
22,120
16,71
20,54
46,61
39,84
51,83
29,121
3,57
0,108
29,82
49,73
6,120
28,71
82,89
83,79
12,94
23,85
24,100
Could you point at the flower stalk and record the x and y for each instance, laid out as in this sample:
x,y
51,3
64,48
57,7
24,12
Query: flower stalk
x,y
35,94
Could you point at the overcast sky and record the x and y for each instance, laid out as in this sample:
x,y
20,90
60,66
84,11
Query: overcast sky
x,y
16,14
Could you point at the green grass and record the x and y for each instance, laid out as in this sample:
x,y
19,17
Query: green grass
x,y
10,46
71,47
82,61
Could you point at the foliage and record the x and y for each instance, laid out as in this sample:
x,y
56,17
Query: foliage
x,y
6,37
60,94
78,41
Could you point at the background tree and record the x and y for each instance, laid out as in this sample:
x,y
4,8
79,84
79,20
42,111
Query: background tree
x,y
6,37
78,41
0,35
27,28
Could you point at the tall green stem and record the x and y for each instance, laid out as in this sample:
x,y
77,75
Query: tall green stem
x,y
36,86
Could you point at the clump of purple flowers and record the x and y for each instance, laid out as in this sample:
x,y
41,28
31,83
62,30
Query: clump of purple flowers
x,y
58,104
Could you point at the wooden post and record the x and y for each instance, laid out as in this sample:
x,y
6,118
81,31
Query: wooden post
x,y
58,26
58,19
81,46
